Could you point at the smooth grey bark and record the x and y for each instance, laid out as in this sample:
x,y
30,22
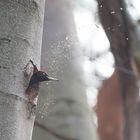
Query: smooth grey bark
x,y
63,110
21,25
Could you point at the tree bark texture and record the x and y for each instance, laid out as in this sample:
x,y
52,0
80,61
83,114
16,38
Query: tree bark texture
x,y
21,25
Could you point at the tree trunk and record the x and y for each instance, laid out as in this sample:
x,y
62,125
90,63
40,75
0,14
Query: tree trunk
x,y
21,27
109,110
114,19
63,110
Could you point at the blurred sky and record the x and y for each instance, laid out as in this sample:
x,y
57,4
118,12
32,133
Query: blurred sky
x,y
95,43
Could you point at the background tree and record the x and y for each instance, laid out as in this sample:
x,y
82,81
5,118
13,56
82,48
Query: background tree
x,y
120,30
63,112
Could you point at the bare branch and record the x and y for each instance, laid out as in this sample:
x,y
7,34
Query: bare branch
x,y
52,132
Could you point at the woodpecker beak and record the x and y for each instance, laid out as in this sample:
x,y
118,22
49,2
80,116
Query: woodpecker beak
x,y
52,79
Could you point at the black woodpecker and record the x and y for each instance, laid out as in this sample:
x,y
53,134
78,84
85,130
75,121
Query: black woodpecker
x,y
36,78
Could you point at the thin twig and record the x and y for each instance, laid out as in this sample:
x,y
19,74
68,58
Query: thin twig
x,y
52,132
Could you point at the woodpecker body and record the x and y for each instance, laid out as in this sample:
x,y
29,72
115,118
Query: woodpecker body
x,y
36,78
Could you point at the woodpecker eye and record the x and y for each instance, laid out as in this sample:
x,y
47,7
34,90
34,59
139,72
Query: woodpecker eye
x,y
44,73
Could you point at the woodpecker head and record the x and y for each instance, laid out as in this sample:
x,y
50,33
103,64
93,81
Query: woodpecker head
x,y
41,76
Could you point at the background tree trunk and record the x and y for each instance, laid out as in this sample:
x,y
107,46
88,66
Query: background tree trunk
x,y
109,110
21,27
114,19
63,110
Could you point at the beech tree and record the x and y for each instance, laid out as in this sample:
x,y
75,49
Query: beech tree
x,y
21,25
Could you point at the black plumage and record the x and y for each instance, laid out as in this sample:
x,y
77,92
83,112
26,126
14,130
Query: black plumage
x,y
36,78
